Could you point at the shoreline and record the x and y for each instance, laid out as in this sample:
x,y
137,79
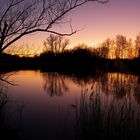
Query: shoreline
x,y
87,67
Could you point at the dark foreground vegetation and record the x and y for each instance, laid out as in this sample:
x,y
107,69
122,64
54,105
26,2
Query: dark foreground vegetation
x,y
113,55
69,61
113,120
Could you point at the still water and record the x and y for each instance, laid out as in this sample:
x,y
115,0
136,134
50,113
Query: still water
x,y
42,104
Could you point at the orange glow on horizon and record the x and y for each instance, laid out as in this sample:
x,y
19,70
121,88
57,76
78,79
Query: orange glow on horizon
x,y
95,23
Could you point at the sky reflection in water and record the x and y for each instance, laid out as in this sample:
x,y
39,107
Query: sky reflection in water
x,y
48,99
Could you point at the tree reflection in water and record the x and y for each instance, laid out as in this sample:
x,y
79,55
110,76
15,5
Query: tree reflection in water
x,y
4,82
109,107
118,85
110,97
3,91
112,84
137,91
55,83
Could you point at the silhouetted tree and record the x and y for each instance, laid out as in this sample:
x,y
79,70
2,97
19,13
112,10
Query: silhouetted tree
x,y
137,46
112,49
121,43
19,18
103,50
109,44
130,49
55,44
82,54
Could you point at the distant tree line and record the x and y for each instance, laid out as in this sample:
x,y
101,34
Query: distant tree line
x,y
118,48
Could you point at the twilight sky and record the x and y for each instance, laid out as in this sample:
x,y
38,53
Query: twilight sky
x,y
97,22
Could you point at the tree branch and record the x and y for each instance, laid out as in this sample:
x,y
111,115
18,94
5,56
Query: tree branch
x,y
36,16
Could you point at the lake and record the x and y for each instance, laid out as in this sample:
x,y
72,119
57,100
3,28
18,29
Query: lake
x,y
48,105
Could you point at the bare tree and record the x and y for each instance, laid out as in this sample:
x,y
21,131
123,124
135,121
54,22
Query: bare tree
x,y
130,49
137,46
22,17
110,47
121,43
56,44
103,49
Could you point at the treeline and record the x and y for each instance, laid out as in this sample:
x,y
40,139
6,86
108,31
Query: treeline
x,y
118,48
118,54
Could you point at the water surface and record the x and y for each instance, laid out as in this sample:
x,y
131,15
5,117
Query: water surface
x,y
43,104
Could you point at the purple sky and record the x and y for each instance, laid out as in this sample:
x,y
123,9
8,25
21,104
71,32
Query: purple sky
x,y
97,22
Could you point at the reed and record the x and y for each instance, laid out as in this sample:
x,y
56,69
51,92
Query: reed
x,y
116,120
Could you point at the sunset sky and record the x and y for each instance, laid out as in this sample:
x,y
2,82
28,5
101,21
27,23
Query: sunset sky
x,y
96,22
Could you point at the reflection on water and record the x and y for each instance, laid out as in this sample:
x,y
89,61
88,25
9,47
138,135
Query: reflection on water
x,y
3,96
54,84
115,119
7,129
112,84
50,99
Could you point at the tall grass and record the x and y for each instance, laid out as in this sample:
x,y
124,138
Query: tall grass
x,y
114,120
